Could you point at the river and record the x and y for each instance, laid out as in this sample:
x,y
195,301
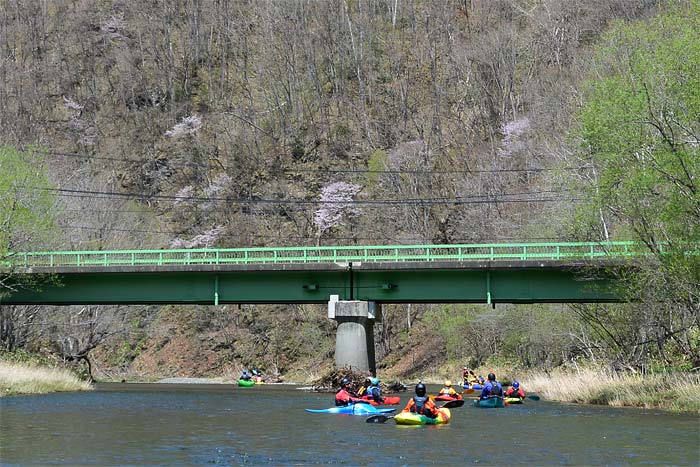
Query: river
x,y
211,425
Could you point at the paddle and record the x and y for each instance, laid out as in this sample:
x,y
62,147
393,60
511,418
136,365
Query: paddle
x,y
383,418
468,391
534,398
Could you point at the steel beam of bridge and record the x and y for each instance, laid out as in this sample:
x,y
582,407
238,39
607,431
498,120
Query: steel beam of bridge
x,y
512,282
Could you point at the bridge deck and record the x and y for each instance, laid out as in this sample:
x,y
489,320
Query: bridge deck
x,y
514,273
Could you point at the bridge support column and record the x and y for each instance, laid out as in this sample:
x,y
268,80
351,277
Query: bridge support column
x,y
354,342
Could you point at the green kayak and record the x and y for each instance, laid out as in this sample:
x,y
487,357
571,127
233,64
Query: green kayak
x,y
246,384
490,403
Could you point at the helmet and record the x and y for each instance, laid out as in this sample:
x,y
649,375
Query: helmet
x,y
344,382
465,368
492,377
420,389
516,385
374,381
245,372
448,383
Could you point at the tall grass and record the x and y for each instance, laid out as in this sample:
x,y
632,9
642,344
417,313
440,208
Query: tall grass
x,y
18,378
677,392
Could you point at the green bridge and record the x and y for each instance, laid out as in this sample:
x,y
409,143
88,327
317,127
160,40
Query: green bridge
x,y
479,273
353,281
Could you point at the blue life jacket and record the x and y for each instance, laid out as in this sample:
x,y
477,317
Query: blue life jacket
x,y
419,404
371,389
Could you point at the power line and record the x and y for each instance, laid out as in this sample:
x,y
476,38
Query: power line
x,y
476,199
345,171
287,237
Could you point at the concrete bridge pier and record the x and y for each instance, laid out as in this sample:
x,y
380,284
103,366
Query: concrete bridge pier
x,y
354,342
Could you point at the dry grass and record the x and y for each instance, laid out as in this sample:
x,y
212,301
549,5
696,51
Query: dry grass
x,y
679,393
18,378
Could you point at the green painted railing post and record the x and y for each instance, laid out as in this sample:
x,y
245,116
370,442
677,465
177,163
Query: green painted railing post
x,y
104,259
160,258
558,255
524,257
492,254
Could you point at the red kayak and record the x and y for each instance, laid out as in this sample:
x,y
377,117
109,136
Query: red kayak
x,y
445,397
387,400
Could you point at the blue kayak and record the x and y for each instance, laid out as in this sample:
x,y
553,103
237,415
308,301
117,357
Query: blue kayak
x,y
353,409
474,386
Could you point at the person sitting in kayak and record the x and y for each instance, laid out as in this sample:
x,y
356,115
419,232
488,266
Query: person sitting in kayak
x,y
257,376
515,391
448,391
421,404
245,376
492,388
374,391
469,377
365,385
344,396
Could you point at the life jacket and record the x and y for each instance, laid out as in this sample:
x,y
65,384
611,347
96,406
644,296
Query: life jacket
x,y
370,390
496,389
342,398
419,404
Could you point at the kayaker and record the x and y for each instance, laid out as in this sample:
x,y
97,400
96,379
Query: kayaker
x,y
492,388
515,391
421,404
448,391
245,376
469,377
374,391
365,385
344,396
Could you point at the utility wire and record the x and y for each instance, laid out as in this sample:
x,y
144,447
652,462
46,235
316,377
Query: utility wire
x,y
342,171
287,237
485,199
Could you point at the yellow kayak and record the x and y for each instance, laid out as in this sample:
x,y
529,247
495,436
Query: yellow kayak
x,y
411,418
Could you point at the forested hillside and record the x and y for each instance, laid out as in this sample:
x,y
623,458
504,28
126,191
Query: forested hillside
x,y
226,123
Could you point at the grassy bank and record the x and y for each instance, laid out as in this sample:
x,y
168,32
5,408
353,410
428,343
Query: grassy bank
x,y
677,393
22,378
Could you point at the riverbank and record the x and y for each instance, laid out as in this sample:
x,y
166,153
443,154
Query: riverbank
x,y
20,378
673,392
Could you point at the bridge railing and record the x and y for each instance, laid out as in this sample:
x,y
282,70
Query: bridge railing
x,y
323,254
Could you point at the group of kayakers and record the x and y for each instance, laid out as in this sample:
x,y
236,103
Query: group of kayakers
x,y
420,403
469,378
256,376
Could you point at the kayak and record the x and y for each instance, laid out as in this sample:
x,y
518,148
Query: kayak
x,y
411,418
474,386
389,400
260,382
353,409
490,403
445,397
513,400
246,384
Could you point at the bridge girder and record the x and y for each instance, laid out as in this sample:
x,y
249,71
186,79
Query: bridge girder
x,y
434,282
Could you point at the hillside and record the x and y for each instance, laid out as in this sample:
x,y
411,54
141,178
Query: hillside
x,y
208,123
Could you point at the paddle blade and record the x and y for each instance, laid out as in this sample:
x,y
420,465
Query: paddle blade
x,y
378,418
468,391
534,398
453,404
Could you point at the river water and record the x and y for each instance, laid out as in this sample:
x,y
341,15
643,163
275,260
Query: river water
x,y
207,425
